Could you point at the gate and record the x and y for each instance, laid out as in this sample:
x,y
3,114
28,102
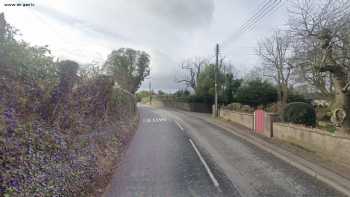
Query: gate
x,y
259,121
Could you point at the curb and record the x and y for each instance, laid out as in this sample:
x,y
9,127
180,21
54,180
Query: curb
x,y
330,178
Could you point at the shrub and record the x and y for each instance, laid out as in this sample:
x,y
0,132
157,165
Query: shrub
x,y
300,113
256,92
296,97
50,122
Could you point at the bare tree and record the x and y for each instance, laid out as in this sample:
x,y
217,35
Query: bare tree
x,y
326,25
275,53
308,53
307,72
193,68
308,59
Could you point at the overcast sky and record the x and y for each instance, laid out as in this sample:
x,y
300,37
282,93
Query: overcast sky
x,y
169,30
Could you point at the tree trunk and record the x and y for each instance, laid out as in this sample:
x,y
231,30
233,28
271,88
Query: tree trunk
x,y
284,96
342,99
346,124
279,99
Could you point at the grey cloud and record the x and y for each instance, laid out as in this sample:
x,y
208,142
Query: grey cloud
x,y
153,23
73,21
169,30
182,13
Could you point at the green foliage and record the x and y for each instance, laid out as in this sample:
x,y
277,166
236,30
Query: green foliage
x,y
331,129
231,87
256,92
182,93
327,126
29,63
295,97
33,65
206,83
300,113
142,94
161,93
200,99
46,110
128,67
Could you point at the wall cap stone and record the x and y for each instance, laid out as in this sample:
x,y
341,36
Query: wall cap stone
x,y
237,112
312,130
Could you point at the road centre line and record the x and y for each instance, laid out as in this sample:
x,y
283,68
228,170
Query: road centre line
x,y
178,124
212,177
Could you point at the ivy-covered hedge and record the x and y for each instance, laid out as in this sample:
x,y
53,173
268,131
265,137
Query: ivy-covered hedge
x,y
58,127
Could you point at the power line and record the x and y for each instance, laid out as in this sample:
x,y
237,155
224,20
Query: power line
x,y
274,8
255,20
260,10
267,8
263,9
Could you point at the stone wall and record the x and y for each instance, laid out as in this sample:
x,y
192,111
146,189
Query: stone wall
x,y
270,118
244,119
333,146
247,120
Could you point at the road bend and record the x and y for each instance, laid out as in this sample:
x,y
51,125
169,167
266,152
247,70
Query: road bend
x,y
178,154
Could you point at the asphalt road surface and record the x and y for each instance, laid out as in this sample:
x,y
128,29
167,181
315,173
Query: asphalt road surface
x,y
178,154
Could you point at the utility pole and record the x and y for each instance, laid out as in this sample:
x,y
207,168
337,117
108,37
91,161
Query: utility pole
x,y
150,91
216,80
224,86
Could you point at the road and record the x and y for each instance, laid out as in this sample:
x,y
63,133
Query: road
x,y
178,154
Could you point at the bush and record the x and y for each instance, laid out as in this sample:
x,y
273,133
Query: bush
x,y
296,97
50,122
300,113
256,92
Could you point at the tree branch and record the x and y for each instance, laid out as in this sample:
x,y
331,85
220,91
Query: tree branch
x,y
346,88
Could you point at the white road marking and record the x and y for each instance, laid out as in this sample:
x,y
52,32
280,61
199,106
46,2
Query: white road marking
x,y
215,182
154,120
178,124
